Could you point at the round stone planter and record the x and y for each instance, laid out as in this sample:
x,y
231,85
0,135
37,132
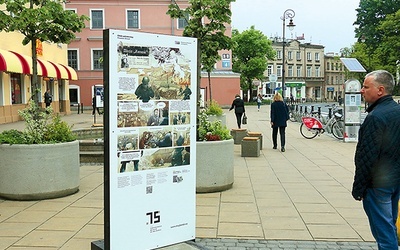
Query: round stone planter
x,y
39,171
214,166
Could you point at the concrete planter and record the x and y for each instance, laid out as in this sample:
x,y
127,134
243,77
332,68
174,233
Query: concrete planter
x,y
35,172
214,166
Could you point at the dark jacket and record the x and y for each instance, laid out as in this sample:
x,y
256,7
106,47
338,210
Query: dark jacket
x,y
279,114
377,157
238,104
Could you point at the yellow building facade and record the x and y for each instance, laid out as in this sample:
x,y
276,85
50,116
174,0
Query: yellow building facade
x,y
16,75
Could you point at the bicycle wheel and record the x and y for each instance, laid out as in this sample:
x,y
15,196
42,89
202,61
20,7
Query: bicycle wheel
x,y
308,133
338,129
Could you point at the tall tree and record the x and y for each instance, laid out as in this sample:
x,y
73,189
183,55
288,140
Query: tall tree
x,y
369,14
388,50
250,53
206,21
44,20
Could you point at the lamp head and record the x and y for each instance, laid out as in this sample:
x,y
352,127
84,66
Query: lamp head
x,y
291,25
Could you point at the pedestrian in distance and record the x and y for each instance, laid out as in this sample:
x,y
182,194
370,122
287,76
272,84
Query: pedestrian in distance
x,y
94,106
259,101
377,159
279,117
48,98
238,105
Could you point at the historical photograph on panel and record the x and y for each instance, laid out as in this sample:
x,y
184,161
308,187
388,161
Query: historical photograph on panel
x,y
159,73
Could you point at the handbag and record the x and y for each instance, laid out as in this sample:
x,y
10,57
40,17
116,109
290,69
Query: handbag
x,y
244,120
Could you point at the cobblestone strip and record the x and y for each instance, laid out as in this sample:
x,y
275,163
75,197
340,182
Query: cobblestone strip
x,y
241,244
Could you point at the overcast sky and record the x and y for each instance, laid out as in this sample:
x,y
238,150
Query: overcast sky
x,y
325,22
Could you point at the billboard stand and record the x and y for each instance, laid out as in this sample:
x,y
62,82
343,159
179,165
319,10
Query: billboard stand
x,y
149,133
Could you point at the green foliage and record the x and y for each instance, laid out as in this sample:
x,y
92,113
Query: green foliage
x,y
212,131
210,34
378,24
12,136
42,127
250,53
213,108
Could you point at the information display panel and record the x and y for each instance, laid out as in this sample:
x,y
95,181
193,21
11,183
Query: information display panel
x,y
150,175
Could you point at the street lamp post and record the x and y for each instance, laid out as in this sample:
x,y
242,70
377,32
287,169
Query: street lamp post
x,y
289,13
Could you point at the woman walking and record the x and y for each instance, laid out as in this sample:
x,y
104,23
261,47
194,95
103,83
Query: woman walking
x,y
279,116
238,105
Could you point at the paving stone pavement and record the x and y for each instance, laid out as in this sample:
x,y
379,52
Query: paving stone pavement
x,y
299,199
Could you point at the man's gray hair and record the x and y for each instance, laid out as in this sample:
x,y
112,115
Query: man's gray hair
x,y
384,78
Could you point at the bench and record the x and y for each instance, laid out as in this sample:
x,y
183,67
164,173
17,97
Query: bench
x,y
250,147
238,134
256,134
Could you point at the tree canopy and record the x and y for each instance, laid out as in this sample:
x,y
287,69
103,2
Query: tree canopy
x,y
206,21
378,30
251,51
44,20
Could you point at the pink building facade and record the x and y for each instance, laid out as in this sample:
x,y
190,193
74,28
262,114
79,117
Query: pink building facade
x,y
85,52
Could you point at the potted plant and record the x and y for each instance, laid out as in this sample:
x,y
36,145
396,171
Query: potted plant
x,y
215,112
214,151
40,162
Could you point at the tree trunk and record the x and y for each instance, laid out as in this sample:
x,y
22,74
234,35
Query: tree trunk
x,y
209,84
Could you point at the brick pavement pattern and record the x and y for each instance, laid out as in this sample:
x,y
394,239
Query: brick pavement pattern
x,y
299,199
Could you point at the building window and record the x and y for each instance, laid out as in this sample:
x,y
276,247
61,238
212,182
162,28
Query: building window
x,y
279,70
317,71
182,22
132,19
298,71
298,56
309,56
97,64
309,73
316,56
73,58
16,88
327,66
270,69
290,55
279,54
290,70
96,19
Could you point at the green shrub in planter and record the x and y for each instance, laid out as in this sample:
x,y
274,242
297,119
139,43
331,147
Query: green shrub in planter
x,y
212,131
42,127
213,108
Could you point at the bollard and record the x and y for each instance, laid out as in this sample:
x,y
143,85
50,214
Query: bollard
x,y
319,111
330,113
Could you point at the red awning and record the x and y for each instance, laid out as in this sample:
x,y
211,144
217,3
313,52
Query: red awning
x,y
11,61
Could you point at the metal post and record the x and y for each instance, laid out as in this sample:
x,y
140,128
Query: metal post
x,y
289,13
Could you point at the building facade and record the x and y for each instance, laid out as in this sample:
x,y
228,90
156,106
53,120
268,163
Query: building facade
x,y
16,75
334,77
304,72
85,52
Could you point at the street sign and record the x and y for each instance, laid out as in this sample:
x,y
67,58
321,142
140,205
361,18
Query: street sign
x,y
273,78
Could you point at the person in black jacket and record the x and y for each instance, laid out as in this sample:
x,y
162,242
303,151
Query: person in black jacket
x,y
279,116
377,159
238,105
